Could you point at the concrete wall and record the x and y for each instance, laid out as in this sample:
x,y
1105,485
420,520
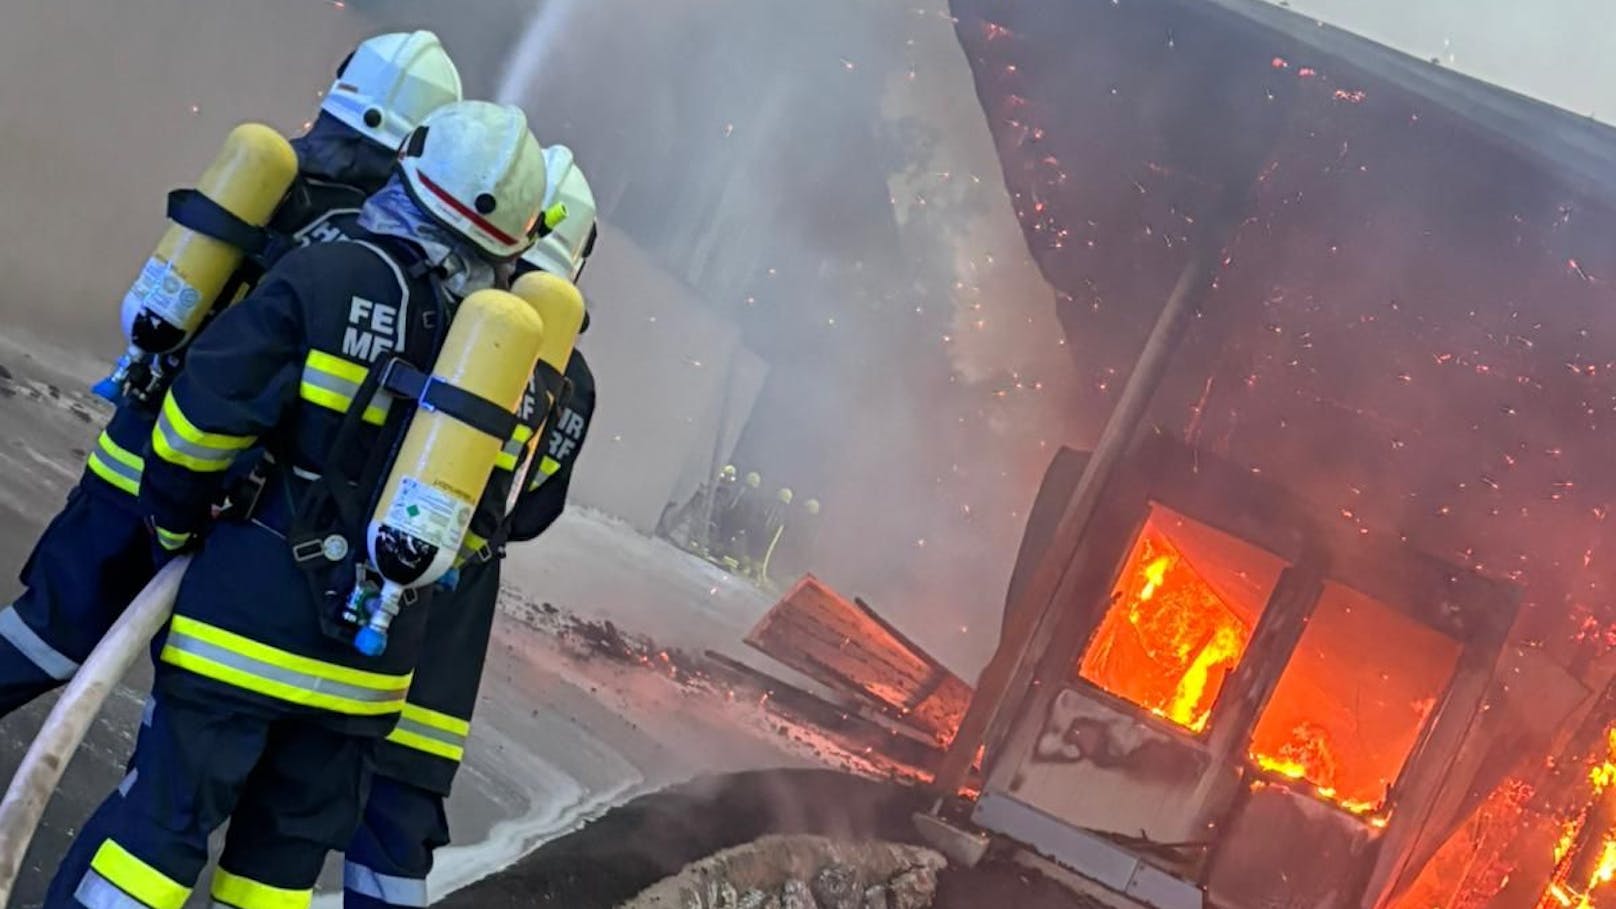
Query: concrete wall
x,y
107,106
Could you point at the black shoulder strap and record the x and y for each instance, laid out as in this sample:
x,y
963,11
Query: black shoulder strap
x,y
190,208
432,393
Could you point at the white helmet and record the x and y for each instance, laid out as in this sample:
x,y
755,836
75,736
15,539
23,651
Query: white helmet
x,y
390,83
569,207
476,168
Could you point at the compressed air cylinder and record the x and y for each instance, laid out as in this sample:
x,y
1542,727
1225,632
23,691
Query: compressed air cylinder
x,y
561,306
443,465
180,282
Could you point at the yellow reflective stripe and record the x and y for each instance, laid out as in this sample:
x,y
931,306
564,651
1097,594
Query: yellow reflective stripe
x,y
470,545
431,731
190,433
337,366
511,453
171,540
107,473
331,382
120,454
241,893
116,465
177,440
437,720
547,469
419,742
138,879
318,668
244,663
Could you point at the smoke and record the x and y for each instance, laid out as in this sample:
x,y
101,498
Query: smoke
x,y
1407,332
821,176
1552,50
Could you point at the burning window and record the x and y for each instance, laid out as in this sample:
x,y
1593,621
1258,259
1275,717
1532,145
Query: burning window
x,y
1353,700
1181,615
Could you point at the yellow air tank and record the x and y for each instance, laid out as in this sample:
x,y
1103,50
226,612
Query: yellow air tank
x,y
443,465
180,282
561,306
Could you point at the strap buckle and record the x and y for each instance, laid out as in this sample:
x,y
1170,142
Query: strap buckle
x,y
332,547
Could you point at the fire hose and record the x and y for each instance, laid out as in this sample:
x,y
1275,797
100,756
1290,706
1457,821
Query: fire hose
x,y
70,719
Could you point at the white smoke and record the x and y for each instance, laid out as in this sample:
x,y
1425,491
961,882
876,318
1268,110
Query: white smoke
x,y
1553,50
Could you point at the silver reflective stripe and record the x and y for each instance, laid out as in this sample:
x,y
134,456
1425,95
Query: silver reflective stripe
x,y
343,388
148,711
513,447
335,384
112,464
405,724
389,888
48,660
302,474
187,644
184,446
128,781
96,892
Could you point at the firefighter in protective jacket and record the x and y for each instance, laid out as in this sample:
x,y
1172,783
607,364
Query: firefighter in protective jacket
x,y
96,555
265,713
391,855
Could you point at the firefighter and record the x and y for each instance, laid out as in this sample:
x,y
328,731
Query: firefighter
x,y
794,544
727,490
682,522
95,556
731,523
389,858
774,524
265,712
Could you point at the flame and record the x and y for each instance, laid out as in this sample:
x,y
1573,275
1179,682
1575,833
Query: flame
x,y
1170,641
1155,573
1606,870
1561,891
1308,758
1568,838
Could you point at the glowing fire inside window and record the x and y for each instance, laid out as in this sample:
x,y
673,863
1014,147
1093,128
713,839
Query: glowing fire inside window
x,y
1180,618
1353,700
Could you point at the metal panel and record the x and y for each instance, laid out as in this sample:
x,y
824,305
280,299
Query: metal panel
x,y
1286,850
1091,856
1099,765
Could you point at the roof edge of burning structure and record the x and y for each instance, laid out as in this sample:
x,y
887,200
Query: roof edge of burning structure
x,y
1579,148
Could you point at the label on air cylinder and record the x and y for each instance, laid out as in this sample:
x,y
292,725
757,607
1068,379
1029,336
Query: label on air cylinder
x,y
165,293
429,514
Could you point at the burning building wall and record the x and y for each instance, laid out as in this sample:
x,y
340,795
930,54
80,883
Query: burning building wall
x,y
1407,331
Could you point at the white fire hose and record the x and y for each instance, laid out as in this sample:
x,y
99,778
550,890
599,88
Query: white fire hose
x,y
70,720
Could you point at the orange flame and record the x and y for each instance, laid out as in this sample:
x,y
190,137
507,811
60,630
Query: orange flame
x,y
1561,892
1170,641
1568,838
1307,757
